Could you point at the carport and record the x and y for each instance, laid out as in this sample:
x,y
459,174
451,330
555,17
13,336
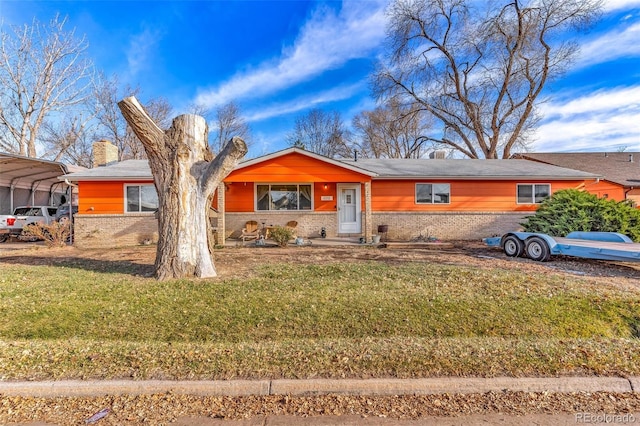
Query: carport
x,y
32,181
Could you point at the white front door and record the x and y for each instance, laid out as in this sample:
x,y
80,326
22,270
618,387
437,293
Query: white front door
x,y
349,211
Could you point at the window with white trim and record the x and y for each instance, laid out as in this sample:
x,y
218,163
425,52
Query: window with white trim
x,y
433,193
287,196
533,193
140,198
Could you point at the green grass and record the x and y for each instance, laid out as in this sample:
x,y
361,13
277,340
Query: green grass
x,y
347,319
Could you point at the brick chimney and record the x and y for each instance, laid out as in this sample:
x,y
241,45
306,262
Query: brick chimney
x,y
438,155
104,153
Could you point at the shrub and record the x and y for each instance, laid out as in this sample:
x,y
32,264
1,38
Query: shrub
x,y
571,210
55,234
281,235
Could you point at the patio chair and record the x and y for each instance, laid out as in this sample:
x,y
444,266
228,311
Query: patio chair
x,y
292,224
250,231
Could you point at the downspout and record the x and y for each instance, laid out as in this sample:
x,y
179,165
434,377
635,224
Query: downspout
x,y
631,188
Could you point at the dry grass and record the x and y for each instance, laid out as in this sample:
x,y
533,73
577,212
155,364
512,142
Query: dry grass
x,y
308,312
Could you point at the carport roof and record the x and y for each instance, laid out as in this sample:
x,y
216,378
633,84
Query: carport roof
x,y
31,173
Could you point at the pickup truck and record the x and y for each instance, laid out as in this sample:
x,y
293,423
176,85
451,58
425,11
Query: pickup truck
x,y
11,225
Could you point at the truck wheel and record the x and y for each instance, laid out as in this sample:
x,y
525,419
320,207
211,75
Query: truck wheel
x,y
538,249
513,246
4,237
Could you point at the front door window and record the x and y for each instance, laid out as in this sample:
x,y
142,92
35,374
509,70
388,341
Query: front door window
x,y
349,209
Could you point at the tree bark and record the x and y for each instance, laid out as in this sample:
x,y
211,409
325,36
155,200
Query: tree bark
x,y
185,175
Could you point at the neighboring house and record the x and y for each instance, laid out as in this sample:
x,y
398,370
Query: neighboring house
x,y
620,171
32,181
446,199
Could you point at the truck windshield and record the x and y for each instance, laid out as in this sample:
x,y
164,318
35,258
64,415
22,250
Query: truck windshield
x,y
27,211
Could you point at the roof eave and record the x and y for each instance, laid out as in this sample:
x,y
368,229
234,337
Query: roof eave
x,y
72,178
518,177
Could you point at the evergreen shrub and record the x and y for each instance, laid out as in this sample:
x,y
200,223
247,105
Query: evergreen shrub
x,y
571,210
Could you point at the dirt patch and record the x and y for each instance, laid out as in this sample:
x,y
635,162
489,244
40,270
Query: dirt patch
x,y
241,262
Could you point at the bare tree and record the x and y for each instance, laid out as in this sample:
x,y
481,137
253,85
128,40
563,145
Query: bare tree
x,y
479,67
321,132
112,124
186,176
392,131
69,140
228,122
43,70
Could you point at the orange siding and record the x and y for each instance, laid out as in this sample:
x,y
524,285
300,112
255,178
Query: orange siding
x,y
607,189
490,196
102,197
294,168
319,191
239,197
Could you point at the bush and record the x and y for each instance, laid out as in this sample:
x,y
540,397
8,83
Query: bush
x,y
55,234
571,210
281,235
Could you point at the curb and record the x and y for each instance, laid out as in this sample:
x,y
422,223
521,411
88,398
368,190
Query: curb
x,y
372,387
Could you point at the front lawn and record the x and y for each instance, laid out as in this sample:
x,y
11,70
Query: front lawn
x,y
348,318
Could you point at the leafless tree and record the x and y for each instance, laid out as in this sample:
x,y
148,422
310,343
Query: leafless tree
x,y
321,132
184,198
392,131
228,122
112,125
69,140
43,70
479,67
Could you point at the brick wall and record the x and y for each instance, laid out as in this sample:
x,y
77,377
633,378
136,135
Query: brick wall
x,y
135,229
401,226
115,230
447,226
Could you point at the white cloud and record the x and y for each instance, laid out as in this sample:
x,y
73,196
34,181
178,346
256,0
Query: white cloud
x,y
302,103
615,44
605,120
327,41
140,50
611,5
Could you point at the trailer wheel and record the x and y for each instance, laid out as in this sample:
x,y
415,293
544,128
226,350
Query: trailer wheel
x,y
538,249
4,237
513,246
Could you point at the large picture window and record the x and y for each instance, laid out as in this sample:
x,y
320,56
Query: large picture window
x,y
433,193
283,197
529,193
141,198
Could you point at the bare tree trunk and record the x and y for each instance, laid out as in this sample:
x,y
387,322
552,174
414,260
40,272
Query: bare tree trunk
x,y
185,176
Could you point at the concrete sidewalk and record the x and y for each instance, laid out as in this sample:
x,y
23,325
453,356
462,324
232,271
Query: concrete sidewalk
x,y
373,387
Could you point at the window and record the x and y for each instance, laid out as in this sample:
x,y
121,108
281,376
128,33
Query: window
x,y
433,193
283,197
140,198
533,193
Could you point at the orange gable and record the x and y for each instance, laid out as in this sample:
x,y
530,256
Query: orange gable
x,y
295,167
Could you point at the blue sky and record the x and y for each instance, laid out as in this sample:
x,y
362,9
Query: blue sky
x,y
278,59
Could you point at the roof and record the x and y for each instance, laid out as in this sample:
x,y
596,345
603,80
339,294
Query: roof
x,y
30,173
622,168
467,169
376,168
123,170
140,170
